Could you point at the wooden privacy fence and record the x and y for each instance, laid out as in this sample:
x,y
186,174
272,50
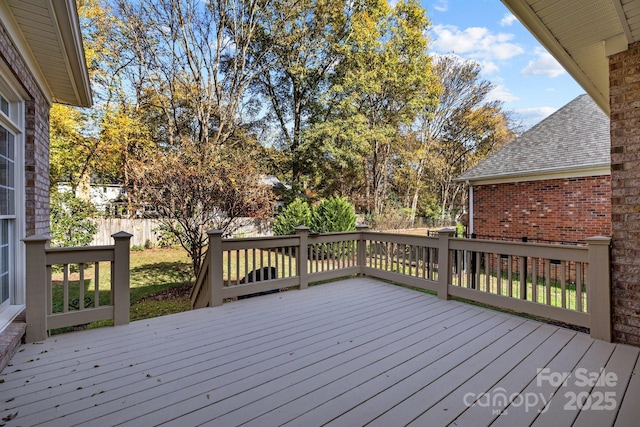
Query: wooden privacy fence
x,y
570,284
65,286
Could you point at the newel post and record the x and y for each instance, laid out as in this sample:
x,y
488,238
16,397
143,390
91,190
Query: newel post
x,y
599,287
37,288
444,265
302,255
362,248
216,274
121,278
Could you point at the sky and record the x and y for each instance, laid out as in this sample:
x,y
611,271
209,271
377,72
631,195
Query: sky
x,y
529,81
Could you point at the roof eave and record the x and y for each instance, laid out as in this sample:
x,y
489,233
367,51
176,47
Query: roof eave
x,y
538,175
66,16
536,27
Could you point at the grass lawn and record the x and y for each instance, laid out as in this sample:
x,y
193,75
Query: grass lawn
x,y
160,282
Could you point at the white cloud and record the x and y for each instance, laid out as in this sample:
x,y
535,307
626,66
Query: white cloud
x,y
543,65
508,19
489,67
442,6
501,93
477,43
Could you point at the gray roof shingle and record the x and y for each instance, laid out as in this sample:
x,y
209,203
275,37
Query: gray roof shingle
x,y
574,137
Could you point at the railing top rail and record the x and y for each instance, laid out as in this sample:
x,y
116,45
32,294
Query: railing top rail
x,y
80,255
395,235
333,237
408,239
84,249
259,243
537,250
336,234
257,239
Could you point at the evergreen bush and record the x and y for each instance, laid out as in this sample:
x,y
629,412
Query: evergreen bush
x,y
294,214
333,215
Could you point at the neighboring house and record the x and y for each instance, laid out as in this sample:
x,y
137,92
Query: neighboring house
x,y
106,198
279,190
41,62
551,184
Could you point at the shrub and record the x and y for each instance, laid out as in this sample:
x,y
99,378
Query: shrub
x,y
294,214
333,215
72,220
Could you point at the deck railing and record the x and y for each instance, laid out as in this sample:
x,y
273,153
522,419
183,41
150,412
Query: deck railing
x,y
570,284
64,285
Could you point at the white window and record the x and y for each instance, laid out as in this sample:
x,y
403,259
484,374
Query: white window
x,y
7,210
12,280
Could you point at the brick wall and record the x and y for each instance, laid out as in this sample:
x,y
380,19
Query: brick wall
x,y
624,83
36,140
568,210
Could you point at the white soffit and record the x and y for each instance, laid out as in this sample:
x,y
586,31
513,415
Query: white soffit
x,y
580,34
49,31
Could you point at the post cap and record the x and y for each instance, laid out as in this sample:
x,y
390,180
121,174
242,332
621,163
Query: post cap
x,y
446,231
36,238
122,235
598,240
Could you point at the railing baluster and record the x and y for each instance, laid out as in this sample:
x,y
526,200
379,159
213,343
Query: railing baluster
x,y
563,284
510,276
81,287
547,274
65,289
522,291
238,275
487,271
96,287
49,292
499,273
253,259
404,261
534,279
579,286
335,255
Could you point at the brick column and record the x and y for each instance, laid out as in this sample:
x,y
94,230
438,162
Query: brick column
x,y
624,83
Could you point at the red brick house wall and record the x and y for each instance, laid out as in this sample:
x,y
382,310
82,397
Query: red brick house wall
x,y
624,84
36,140
562,210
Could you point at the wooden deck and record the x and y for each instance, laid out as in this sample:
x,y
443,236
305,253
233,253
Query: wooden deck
x,y
347,353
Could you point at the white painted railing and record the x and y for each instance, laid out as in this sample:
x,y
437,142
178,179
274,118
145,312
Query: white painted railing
x,y
71,301
570,284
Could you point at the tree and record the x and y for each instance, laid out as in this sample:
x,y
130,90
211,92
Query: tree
x,y
378,89
194,56
189,70
193,194
453,135
296,50
78,153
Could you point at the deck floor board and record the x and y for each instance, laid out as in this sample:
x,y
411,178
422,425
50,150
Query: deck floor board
x,y
353,352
